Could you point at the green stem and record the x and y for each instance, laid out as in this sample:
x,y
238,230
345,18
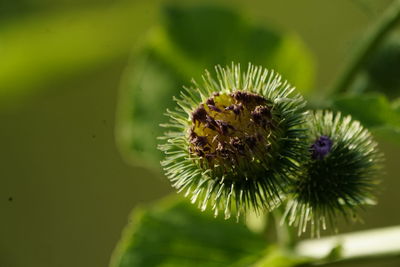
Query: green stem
x,y
378,243
361,54
284,233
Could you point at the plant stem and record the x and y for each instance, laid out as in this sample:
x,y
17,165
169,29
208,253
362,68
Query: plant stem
x,y
378,243
284,232
371,41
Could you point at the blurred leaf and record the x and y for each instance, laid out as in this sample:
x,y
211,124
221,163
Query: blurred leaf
x,y
389,133
382,69
373,111
41,49
210,35
275,257
190,40
15,7
370,8
11,9
175,233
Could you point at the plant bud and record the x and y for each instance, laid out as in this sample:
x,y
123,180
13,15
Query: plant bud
x,y
236,140
339,175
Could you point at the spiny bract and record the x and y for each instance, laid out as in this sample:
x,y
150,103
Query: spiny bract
x,y
234,140
339,175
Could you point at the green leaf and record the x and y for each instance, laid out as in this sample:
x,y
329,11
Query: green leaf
x,y
382,68
371,109
175,233
190,40
276,257
389,133
141,108
374,111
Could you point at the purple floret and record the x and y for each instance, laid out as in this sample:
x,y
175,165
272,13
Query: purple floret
x,y
321,147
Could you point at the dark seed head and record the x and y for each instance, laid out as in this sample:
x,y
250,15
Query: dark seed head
x,y
201,141
261,115
210,101
238,145
227,129
223,127
214,108
251,141
199,115
222,150
248,98
236,108
229,107
211,123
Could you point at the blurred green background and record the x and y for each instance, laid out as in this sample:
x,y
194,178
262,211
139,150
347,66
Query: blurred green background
x,y
65,191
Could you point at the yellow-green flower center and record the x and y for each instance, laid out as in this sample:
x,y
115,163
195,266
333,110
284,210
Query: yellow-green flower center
x,y
232,130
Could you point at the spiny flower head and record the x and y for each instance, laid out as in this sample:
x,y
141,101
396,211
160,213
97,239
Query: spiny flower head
x,y
339,175
236,140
